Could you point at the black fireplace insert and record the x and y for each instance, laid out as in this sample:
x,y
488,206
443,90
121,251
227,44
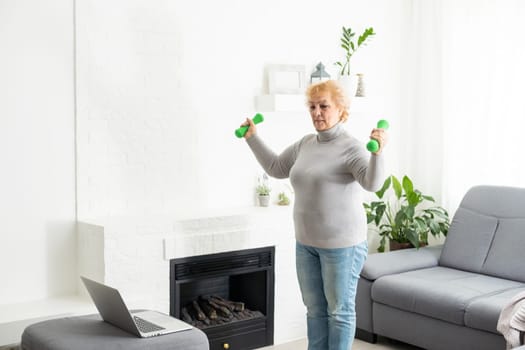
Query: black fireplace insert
x,y
229,296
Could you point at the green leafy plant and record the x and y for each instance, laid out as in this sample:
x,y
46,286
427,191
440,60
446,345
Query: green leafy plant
x,y
263,189
350,46
404,218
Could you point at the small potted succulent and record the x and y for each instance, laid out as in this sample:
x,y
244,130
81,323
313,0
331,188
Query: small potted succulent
x,y
263,191
283,199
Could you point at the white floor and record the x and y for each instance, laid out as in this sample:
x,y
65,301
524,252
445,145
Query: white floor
x,y
382,344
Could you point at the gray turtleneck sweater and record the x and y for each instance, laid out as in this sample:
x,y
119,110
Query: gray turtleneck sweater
x,y
328,172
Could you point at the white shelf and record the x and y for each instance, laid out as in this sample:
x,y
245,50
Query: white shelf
x,y
297,103
280,103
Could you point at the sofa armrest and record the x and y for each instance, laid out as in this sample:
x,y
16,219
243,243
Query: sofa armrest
x,y
381,264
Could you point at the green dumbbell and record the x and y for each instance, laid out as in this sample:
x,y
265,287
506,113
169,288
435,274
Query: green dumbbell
x,y
240,132
373,145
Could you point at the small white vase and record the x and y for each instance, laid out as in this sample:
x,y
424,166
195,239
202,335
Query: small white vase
x,y
349,85
360,89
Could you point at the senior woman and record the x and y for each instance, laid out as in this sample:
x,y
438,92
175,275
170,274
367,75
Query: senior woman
x,y
329,171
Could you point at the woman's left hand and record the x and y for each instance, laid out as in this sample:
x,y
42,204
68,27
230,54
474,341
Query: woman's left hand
x,y
381,136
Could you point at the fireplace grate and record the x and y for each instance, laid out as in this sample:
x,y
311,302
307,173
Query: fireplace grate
x,y
211,266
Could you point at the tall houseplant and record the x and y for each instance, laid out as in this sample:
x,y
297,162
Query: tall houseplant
x,y
405,217
350,46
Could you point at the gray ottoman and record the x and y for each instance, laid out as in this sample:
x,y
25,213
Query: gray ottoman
x,y
91,333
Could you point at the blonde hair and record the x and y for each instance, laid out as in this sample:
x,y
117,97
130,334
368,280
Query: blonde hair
x,y
336,92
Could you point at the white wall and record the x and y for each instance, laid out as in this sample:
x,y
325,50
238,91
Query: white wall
x,y
37,181
163,84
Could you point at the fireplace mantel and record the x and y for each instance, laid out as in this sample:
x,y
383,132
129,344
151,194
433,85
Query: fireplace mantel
x,y
133,255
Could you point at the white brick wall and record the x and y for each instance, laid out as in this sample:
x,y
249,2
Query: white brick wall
x,y
162,85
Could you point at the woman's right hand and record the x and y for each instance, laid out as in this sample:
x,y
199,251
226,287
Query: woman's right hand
x,y
251,130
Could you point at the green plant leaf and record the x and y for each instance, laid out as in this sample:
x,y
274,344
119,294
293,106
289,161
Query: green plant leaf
x,y
400,217
439,212
434,228
381,247
383,189
408,186
397,187
413,198
413,237
409,212
366,34
423,237
348,34
443,226
380,210
420,223
428,198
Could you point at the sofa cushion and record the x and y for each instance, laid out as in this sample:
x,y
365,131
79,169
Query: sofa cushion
x,y
506,257
402,260
472,243
483,312
497,201
468,241
438,292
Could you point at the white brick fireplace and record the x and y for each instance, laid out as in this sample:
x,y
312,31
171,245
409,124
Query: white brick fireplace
x,y
132,254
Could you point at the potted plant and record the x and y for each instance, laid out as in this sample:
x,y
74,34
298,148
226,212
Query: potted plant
x,y
405,218
350,46
263,191
283,199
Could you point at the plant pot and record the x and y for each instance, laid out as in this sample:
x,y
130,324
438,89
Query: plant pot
x,y
398,246
264,200
349,85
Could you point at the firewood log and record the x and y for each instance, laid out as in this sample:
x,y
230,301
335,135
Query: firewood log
x,y
222,310
232,305
198,311
223,302
208,309
238,305
186,316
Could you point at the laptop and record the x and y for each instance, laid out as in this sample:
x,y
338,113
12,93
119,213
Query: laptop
x,y
143,324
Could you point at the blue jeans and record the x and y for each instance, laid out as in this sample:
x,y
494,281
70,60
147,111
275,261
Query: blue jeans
x,y
328,281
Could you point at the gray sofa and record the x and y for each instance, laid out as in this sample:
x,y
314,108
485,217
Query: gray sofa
x,y
450,296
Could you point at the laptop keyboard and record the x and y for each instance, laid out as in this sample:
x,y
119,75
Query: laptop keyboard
x,y
146,326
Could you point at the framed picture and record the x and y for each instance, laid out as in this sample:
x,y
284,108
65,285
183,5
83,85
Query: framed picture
x,y
286,79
